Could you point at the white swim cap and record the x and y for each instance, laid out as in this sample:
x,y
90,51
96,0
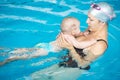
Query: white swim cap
x,y
102,11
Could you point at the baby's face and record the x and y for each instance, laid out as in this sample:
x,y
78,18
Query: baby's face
x,y
75,27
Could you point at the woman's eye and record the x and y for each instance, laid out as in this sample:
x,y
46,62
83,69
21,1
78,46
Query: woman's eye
x,y
91,20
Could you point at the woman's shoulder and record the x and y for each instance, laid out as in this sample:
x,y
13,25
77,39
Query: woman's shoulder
x,y
98,48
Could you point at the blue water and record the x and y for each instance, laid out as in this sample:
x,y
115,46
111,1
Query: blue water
x,y
25,23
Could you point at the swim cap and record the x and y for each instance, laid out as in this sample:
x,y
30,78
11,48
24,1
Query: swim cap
x,y
102,11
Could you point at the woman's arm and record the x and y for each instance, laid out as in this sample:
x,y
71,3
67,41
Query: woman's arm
x,y
91,52
79,44
98,48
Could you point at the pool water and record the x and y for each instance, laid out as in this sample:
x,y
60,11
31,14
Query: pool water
x,y
25,23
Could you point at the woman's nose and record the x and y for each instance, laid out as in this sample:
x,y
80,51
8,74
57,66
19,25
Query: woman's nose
x,y
87,21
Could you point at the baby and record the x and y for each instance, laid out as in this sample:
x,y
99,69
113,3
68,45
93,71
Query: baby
x,y
69,27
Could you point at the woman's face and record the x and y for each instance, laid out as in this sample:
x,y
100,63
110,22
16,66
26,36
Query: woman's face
x,y
92,22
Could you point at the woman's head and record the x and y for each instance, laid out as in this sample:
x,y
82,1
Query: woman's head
x,y
102,11
99,14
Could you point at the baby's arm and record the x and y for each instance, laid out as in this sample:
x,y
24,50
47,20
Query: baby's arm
x,y
79,44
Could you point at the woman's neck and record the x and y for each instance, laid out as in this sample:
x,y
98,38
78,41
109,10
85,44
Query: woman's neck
x,y
100,33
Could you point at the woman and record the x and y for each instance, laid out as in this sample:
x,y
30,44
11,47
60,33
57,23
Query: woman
x,y
80,58
98,17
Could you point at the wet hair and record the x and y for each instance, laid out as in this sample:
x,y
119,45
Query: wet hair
x,y
104,13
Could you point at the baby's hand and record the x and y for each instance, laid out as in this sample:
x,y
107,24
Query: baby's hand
x,y
85,33
69,38
63,41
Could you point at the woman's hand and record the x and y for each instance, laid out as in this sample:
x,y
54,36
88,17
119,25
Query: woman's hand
x,y
70,39
63,43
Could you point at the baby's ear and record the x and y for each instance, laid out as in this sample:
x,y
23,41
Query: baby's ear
x,y
73,27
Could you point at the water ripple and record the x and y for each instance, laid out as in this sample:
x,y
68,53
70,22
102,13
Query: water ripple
x,y
116,27
49,10
112,36
26,18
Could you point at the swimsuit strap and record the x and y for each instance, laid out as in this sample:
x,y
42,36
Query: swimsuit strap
x,y
104,41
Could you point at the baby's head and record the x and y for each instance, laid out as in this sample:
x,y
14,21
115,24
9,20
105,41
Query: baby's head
x,y
70,25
